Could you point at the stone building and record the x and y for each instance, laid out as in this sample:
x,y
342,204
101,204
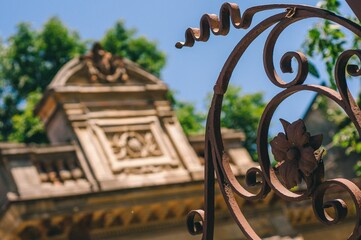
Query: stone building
x,y
119,166
118,163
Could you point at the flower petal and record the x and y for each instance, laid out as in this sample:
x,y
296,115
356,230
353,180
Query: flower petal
x,y
289,173
279,155
285,124
280,142
296,133
280,146
316,141
307,162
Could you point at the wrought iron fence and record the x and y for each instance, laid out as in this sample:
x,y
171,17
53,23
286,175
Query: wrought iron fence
x,y
295,150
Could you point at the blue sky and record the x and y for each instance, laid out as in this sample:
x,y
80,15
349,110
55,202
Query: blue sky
x,y
191,72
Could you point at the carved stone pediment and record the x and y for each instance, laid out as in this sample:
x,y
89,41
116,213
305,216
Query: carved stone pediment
x,y
103,66
99,68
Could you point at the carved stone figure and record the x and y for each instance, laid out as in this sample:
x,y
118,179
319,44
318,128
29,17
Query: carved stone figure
x,y
103,66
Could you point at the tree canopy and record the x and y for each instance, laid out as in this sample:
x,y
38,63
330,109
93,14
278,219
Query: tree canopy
x,y
30,58
191,120
122,42
243,112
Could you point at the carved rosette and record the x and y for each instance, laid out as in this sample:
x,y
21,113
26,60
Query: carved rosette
x,y
134,144
104,67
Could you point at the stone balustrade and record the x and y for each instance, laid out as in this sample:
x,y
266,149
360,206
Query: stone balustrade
x,y
44,171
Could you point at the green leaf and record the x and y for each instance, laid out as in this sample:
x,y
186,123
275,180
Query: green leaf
x,y
313,70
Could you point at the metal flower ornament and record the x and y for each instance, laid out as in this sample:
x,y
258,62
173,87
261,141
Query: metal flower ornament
x,y
296,153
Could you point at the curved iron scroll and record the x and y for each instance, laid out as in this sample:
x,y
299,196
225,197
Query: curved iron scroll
x,y
295,150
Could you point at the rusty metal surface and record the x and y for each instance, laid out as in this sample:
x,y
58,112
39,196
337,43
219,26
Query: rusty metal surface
x,y
356,7
302,156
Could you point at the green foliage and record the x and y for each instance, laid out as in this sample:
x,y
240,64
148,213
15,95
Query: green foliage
x,y
357,168
332,5
122,42
347,138
57,45
239,111
327,41
30,58
243,112
29,61
190,119
7,110
27,128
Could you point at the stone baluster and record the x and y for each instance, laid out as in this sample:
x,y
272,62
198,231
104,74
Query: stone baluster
x,y
64,173
76,172
42,173
50,168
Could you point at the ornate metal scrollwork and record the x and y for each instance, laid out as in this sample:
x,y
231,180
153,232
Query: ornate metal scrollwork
x,y
295,150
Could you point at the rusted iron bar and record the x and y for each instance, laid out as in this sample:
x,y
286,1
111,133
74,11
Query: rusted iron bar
x,y
356,7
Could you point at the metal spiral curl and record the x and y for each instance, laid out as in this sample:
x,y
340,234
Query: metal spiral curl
x,y
195,227
342,67
229,12
215,159
339,206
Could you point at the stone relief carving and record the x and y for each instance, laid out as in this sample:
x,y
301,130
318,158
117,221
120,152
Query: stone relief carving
x,y
103,66
134,144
